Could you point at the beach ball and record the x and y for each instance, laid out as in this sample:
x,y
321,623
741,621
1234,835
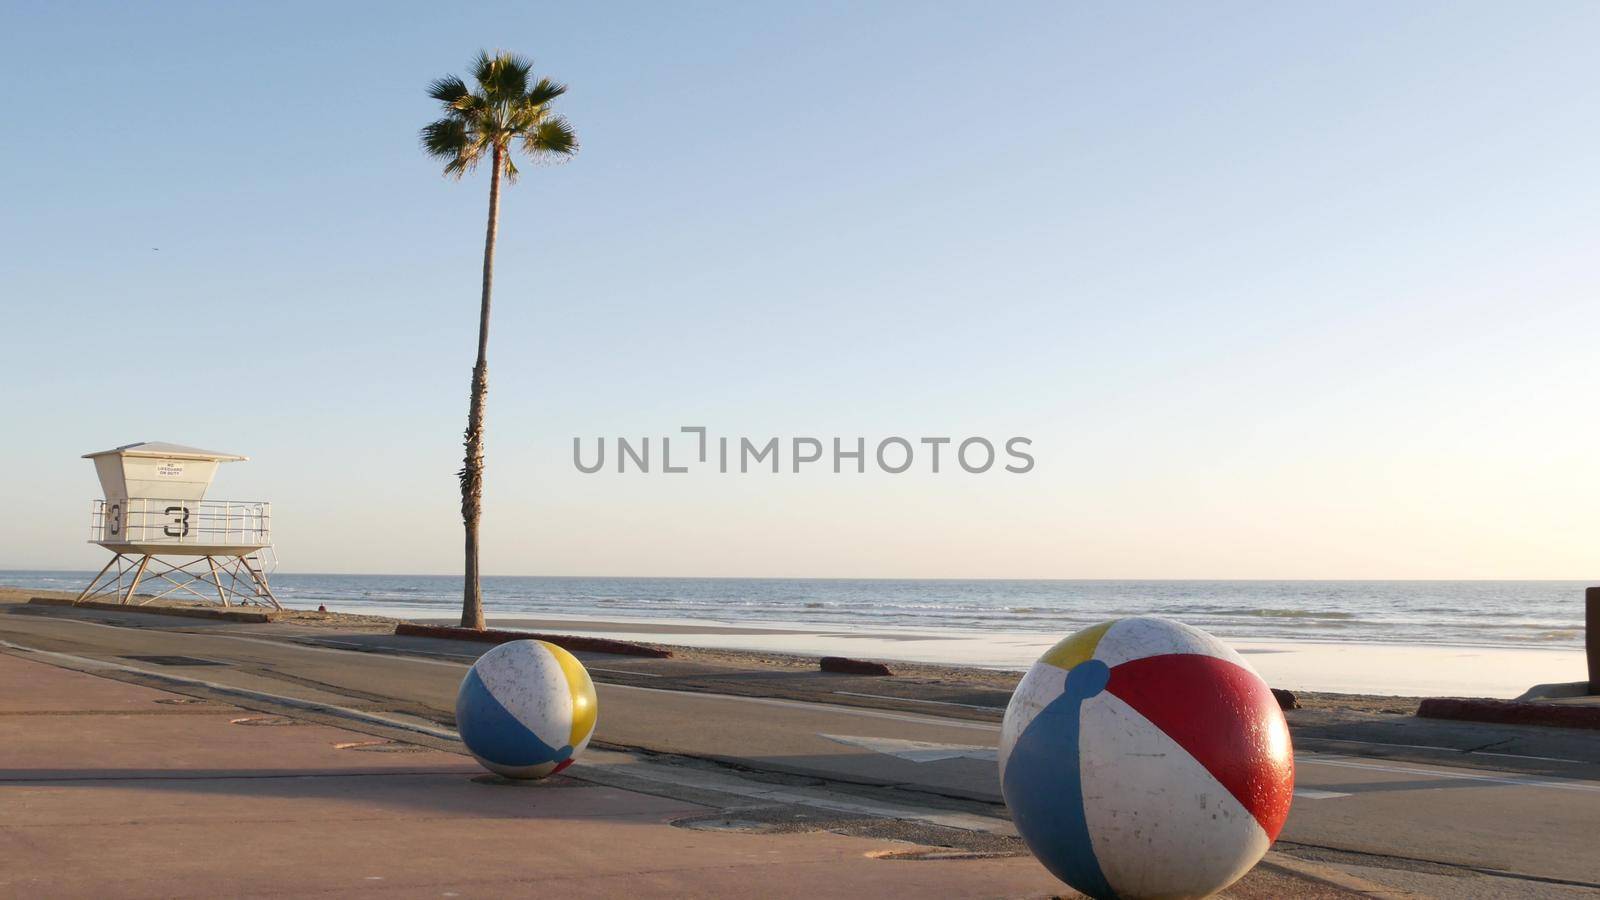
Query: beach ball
x,y
526,709
1144,758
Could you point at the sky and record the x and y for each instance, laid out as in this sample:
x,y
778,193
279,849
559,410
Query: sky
x,y
1273,290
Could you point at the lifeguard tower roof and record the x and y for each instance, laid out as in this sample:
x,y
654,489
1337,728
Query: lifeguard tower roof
x,y
165,450
157,470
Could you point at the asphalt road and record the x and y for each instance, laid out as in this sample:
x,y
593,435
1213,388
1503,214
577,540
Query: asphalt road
x,y
1403,803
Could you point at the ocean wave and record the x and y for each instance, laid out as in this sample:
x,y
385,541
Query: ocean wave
x,y
1545,633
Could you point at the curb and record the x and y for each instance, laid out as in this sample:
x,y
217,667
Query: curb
x,y
1510,712
565,642
191,612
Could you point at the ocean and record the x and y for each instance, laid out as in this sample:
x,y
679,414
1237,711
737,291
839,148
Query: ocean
x,y
1513,614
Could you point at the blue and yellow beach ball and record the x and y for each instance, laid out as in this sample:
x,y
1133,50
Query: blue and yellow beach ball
x,y
1144,758
526,709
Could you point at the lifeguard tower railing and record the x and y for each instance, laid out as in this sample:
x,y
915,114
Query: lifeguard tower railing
x,y
182,524
193,549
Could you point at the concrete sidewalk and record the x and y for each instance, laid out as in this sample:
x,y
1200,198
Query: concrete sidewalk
x,y
115,789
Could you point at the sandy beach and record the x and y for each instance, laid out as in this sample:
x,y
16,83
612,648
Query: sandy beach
x,y
1396,670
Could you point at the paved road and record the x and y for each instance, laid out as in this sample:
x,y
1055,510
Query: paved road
x,y
1392,810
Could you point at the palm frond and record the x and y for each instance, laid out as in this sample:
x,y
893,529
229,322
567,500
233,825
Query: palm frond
x,y
472,107
482,66
460,166
445,138
553,136
503,78
544,91
448,90
510,168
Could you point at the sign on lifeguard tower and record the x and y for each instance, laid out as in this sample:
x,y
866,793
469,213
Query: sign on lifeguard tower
x,y
157,522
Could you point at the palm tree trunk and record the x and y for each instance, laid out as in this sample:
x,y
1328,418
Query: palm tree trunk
x,y
472,468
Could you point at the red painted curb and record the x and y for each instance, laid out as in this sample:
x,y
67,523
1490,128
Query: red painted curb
x,y
846,666
1511,712
566,642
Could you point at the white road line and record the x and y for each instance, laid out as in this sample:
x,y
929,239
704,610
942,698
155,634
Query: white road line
x,y
1383,744
1457,775
1446,749
623,672
1558,759
914,700
914,751
818,707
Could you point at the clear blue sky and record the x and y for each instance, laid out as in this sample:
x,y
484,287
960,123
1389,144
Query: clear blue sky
x,y
1278,290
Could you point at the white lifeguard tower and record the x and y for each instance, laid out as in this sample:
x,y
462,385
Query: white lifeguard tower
x,y
157,523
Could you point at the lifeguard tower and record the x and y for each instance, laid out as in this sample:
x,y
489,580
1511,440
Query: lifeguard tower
x,y
158,525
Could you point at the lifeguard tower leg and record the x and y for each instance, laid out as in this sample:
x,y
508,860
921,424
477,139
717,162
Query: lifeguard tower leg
x,y
137,574
90,589
217,579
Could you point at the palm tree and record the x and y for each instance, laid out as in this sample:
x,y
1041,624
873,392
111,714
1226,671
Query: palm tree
x,y
504,107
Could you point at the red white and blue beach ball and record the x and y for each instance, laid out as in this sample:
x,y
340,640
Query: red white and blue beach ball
x,y
1145,758
526,709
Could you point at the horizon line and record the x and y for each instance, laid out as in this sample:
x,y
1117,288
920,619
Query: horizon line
x,y
1595,581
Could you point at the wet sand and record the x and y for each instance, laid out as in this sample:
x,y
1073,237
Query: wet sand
x,y
1374,669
